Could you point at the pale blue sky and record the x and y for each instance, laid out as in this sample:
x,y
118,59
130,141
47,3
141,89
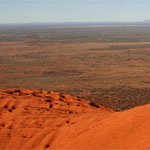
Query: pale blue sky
x,y
73,10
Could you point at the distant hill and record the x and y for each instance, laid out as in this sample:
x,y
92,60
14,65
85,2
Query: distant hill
x,y
147,21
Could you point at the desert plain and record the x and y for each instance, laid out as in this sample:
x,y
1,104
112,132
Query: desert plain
x,y
75,86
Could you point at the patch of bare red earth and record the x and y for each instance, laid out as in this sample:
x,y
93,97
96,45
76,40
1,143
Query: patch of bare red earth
x,y
38,120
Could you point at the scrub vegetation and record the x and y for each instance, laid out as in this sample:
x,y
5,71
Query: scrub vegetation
x,y
105,63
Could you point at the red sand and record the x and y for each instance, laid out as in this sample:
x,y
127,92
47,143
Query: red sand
x,y
38,120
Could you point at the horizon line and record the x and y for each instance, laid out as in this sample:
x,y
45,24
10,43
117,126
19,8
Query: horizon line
x,y
64,22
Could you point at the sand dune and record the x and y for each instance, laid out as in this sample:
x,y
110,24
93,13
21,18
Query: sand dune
x,y
124,130
38,120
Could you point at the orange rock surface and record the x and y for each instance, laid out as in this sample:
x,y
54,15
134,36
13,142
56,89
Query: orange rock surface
x,y
38,120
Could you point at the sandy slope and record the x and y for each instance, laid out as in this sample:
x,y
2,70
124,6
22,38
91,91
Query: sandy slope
x,y
124,130
32,119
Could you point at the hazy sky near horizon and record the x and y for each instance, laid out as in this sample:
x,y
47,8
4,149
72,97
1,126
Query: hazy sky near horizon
x,y
73,10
